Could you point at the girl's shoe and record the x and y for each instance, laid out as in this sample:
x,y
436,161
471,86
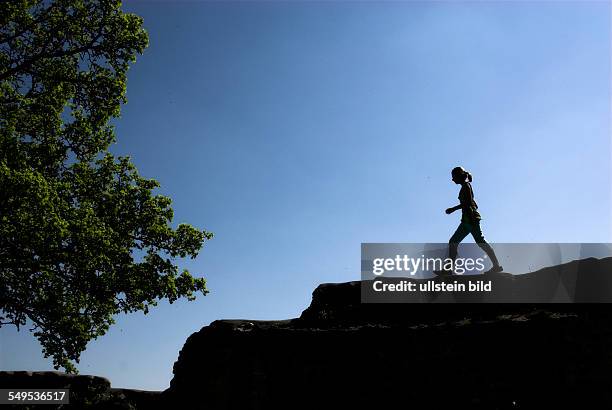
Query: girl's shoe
x,y
495,269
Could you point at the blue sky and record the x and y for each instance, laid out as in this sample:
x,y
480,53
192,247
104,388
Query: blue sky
x,y
297,131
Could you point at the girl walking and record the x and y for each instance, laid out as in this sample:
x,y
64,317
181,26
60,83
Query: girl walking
x,y
470,221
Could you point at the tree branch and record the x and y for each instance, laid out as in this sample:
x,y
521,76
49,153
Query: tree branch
x,y
29,27
61,53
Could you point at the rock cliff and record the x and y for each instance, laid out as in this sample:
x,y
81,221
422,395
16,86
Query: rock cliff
x,y
342,353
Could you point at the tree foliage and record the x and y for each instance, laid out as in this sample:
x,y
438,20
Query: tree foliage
x,y
82,236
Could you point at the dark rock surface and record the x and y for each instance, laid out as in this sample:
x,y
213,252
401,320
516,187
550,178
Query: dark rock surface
x,y
342,353
86,391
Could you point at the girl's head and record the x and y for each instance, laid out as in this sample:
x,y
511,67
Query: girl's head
x,y
460,175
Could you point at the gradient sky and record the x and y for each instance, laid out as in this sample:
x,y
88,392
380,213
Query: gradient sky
x,y
297,131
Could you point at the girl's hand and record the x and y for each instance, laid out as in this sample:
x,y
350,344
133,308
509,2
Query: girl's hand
x,y
450,210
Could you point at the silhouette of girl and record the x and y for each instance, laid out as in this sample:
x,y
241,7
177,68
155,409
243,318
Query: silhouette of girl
x,y
470,220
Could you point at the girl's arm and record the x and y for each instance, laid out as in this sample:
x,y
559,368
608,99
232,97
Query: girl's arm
x,y
453,209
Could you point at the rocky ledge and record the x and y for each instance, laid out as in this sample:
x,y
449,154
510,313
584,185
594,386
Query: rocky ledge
x,y
85,391
342,352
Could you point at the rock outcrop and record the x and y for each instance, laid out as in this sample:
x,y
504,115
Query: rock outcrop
x,y
343,353
92,392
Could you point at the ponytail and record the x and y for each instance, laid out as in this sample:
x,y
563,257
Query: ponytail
x,y
462,173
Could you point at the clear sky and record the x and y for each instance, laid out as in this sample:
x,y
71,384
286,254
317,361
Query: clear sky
x,y
297,131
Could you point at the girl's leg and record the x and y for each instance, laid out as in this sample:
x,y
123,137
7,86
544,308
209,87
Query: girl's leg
x,y
480,240
462,231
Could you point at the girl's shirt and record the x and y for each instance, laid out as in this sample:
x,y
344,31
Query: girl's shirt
x,y
469,208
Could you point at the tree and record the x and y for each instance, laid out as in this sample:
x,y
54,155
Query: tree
x,y
82,236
